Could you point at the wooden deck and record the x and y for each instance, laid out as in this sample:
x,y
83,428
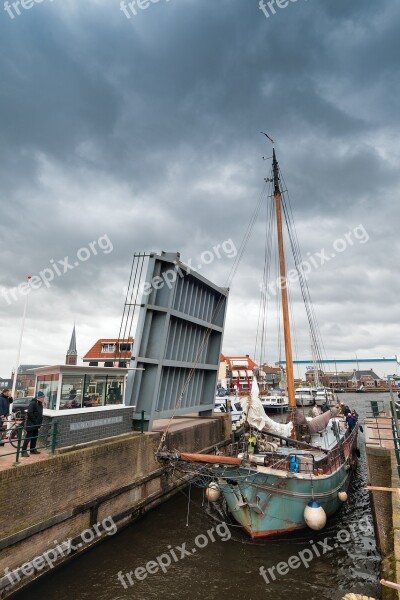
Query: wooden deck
x,y
378,432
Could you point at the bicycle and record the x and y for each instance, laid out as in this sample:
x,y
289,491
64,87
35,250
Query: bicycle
x,y
17,420
16,423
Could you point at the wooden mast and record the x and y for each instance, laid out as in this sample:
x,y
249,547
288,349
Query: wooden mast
x,y
285,303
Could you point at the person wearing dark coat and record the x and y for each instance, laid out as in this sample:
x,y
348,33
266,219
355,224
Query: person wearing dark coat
x,y
33,423
351,422
5,401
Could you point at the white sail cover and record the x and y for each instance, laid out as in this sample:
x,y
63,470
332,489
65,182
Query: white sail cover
x,y
256,416
319,423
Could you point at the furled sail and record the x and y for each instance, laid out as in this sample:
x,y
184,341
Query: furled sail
x,y
319,423
256,417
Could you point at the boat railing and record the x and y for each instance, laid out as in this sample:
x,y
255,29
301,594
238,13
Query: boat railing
x,y
336,457
293,462
309,462
275,461
381,421
303,464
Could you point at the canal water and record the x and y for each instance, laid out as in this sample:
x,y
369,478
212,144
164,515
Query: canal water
x,y
227,568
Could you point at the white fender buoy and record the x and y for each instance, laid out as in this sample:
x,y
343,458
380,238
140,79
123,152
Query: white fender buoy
x,y
213,492
342,495
314,516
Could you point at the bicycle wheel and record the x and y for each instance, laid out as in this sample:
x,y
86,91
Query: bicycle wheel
x,y
12,435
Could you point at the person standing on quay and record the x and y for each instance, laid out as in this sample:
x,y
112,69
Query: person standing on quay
x,y
5,401
351,422
33,423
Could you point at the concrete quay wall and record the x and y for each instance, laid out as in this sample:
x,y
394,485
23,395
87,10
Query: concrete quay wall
x,y
87,488
382,472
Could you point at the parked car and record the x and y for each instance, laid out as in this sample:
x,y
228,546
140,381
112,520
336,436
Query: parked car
x,y
21,404
221,392
234,409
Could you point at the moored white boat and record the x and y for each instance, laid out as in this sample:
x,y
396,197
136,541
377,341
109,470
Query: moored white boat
x,y
305,396
325,396
276,401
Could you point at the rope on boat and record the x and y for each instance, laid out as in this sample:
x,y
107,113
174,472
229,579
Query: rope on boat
x,y
188,508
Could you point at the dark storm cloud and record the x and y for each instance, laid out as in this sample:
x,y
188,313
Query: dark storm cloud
x,y
147,130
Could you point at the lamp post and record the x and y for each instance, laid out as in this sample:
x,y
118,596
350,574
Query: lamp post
x,y
14,385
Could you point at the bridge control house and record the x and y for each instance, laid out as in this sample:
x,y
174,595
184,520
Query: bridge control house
x,y
86,402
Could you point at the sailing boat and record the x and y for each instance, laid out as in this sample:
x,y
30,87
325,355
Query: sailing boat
x,y
287,476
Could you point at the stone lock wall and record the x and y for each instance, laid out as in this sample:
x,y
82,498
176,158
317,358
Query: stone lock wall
x,y
380,474
72,491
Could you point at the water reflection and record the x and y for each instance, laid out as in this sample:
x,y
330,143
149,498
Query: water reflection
x,y
226,570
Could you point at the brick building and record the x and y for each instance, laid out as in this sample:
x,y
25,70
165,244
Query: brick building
x,y
351,380
25,380
269,377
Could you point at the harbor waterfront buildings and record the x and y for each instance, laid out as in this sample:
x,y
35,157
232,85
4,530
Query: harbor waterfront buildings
x,y
347,373
369,372
239,371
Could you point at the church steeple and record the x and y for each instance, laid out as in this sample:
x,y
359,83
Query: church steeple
x,y
72,354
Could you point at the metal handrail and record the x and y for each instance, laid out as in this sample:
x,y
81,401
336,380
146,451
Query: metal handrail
x,y
50,435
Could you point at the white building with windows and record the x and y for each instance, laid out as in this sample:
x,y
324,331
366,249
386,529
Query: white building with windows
x,y
236,370
109,352
82,403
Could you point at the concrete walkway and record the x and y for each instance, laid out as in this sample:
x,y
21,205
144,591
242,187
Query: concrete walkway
x,y
8,452
8,455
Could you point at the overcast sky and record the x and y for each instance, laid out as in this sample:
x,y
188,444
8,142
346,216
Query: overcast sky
x,y
142,133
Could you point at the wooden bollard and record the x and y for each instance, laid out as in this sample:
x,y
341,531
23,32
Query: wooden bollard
x,y
390,584
376,488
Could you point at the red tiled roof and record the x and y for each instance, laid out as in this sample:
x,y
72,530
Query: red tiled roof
x,y
268,369
95,352
251,364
